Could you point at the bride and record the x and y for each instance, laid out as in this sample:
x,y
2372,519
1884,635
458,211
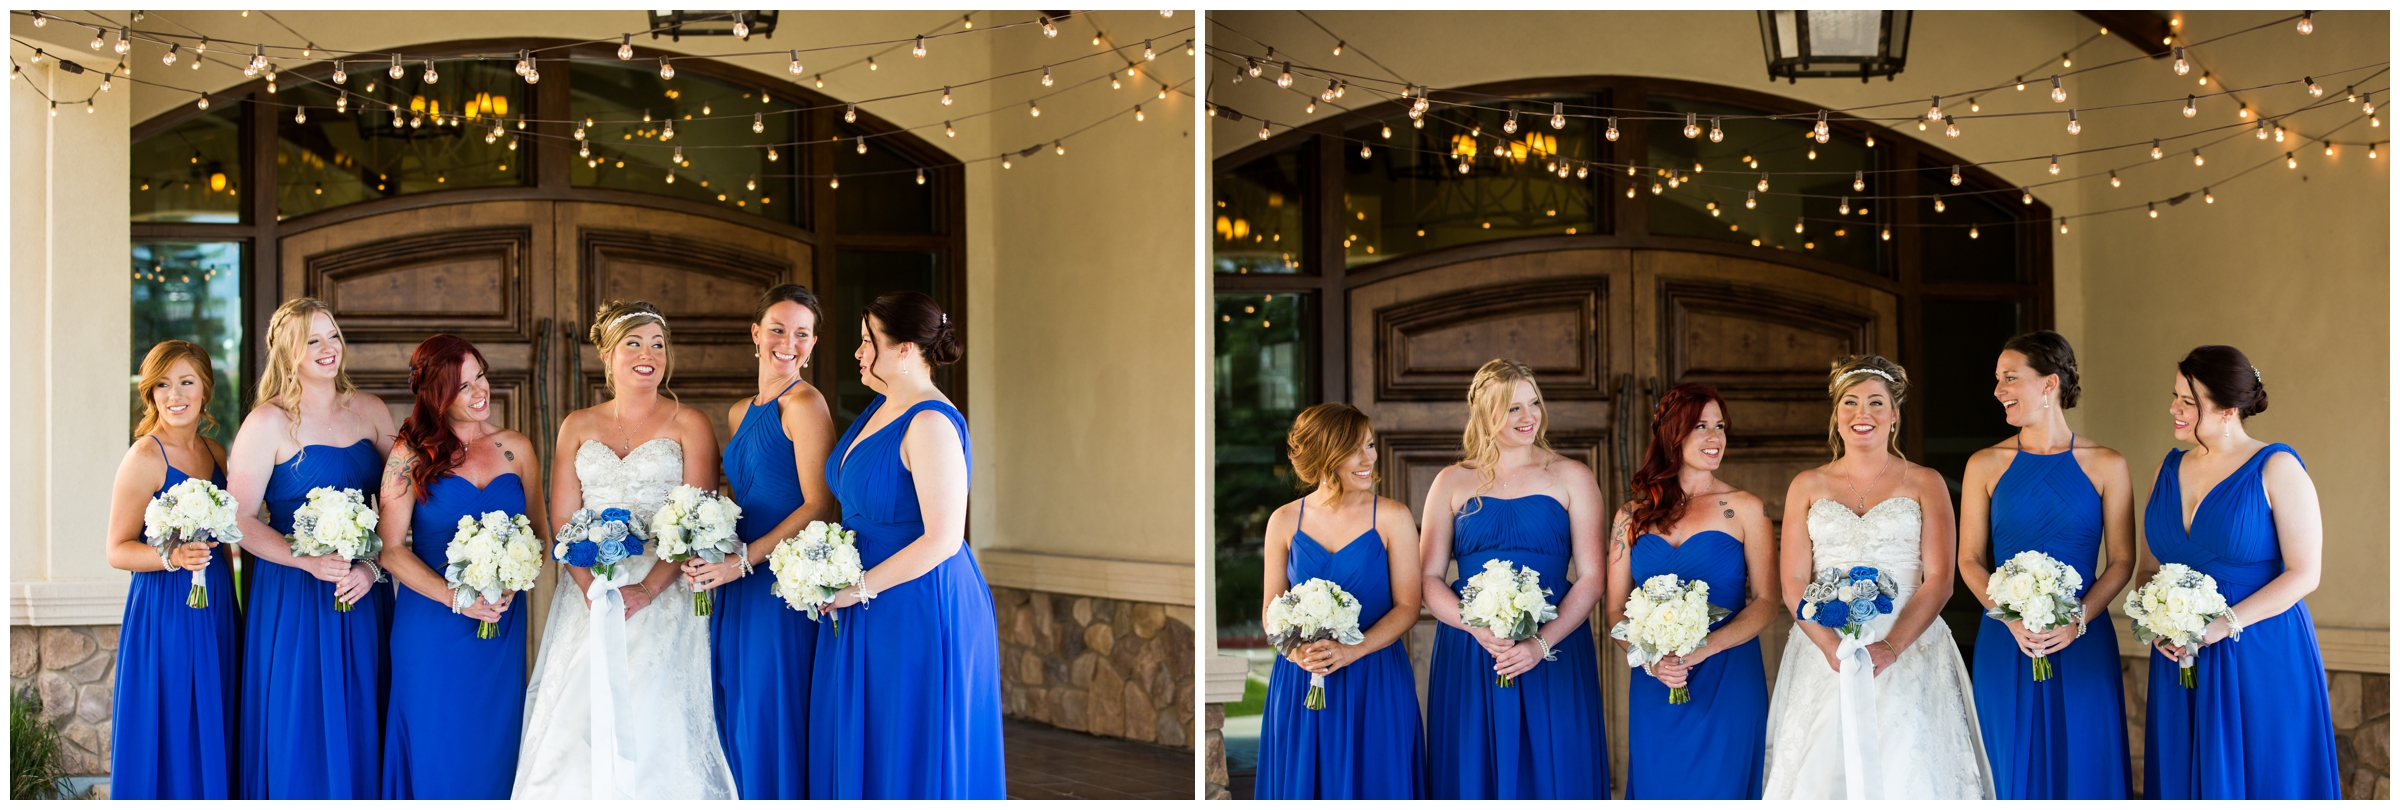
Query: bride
x,y
620,704
1892,717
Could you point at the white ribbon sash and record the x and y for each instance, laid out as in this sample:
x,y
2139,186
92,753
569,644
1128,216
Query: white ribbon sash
x,y
612,773
1862,749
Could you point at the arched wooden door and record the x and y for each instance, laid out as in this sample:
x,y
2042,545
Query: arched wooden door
x,y
1606,330
521,279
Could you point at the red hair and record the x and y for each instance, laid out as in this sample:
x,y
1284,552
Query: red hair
x,y
1659,499
434,378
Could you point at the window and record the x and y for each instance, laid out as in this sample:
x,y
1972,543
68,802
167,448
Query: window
x,y
1265,365
1406,193
192,291
882,191
1259,226
641,156
1708,189
192,171
396,136
1975,235
865,274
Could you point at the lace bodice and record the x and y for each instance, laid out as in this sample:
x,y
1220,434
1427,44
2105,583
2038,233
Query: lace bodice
x,y
1887,537
639,482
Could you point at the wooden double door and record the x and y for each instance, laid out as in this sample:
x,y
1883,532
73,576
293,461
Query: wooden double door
x,y
521,280
1606,331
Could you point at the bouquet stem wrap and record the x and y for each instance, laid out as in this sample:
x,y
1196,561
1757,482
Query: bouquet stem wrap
x,y
198,598
1862,748
2177,605
612,772
1316,691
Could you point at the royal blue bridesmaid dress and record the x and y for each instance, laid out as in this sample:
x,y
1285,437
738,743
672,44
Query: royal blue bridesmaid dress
x,y
2258,723
1542,737
1367,742
178,676
905,693
2061,738
1715,746
458,702
314,678
760,648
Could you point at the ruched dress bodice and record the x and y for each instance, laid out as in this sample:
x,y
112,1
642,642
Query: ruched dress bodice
x,y
1712,747
458,701
760,649
178,680
1366,743
315,680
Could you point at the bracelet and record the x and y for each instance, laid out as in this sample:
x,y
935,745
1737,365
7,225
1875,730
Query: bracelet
x,y
1547,653
2081,622
742,561
2233,624
864,595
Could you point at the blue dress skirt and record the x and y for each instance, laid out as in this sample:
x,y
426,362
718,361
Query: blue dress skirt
x,y
458,702
2061,738
2258,724
1543,737
178,682
1715,746
909,686
760,648
1367,742
314,679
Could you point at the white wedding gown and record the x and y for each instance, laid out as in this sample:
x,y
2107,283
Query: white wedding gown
x,y
1922,741
663,711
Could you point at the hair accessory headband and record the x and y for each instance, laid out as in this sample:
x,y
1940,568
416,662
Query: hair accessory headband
x,y
1857,371
651,315
945,319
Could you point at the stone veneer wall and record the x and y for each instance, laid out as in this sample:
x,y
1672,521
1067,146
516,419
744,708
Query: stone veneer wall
x,y
1220,780
73,671
1101,666
2362,727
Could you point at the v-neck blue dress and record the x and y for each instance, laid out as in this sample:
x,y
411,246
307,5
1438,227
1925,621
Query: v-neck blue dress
x,y
1367,742
2061,738
1715,746
907,692
314,678
1543,737
178,681
2258,724
458,702
762,649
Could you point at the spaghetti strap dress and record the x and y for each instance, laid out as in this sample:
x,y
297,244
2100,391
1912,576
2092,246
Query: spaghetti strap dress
x,y
761,649
458,702
908,690
314,679
1542,737
178,681
2258,724
2064,737
1715,746
1367,743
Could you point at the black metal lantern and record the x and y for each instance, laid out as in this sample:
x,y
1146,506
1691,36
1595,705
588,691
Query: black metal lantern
x,y
1834,44
679,24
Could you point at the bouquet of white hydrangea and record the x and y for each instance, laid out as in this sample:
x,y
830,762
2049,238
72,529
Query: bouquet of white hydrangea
x,y
1507,600
490,557
1312,611
337,521
2176,605
812,566
695,522
194,511
1666,616
2038,590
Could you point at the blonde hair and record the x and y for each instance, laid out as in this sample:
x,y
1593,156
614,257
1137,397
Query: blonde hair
x,y
1487,411
1853,371
1322,438
279,382
154,371
618,318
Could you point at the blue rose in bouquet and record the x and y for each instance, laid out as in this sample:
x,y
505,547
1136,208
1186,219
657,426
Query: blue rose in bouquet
x,y
599,540
1847,599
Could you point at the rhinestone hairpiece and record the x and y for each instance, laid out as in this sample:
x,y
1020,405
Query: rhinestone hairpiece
x,y
651,315
1857,371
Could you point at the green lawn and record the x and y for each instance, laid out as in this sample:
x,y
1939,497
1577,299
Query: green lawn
x,y
1254,699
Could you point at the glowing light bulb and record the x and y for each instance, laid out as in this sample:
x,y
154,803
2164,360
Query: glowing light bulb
x,y
2308,25
1934,113
1950,129
340,76
772,155
2025,196
758,124
1046,80
2261,129
1284,79
2313,90
2197,160
1148,53
1137,113
2155,152
1887,234
1611,134
1716,130
1558,116
430,76
1937,204
169,57
2062,224
862,144
300,116
1691,125
2191,105
1858,181
2182,66
1762,181
1824,131
2113,182
2058,92
1750,200
395,71
2074,126
1037,108
919,50
2290,162
836,182
666,69
1845,209
625,48
1060,146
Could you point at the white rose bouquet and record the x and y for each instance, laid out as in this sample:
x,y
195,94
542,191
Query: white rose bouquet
x,y
1666,616
695,522
1846,599
2038,590
194,511
812,566
1507,600
488,558
2177,605
1313,611
337,521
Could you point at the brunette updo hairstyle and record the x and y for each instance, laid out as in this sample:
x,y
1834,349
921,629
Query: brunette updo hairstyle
x,y
788,292
909,316
2225,377
1322,438
435,371
2047,353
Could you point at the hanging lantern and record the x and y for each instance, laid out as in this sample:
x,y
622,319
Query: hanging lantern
x,y
1834,44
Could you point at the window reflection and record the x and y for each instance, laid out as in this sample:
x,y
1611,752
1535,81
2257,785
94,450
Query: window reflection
x,y
1703,188
1974,235
375,137
637,154
1265,366
1405,193
192,171
864,275
883,191
1258,217
192,291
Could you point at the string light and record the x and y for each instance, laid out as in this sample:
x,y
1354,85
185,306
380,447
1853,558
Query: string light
x,y
1762,181
1937,204
2155,152
1365,152
2262,129
2207,196
1137,113
97,41
2062,224
2182,66
2024,195
169,57
2245,112
2058,92
2074,126
2053,165
1887,234
434,78
1934,113
850,114
1691,125
1049,29
2191,105
2290,162
1611,134
2308,24
920,177
1972,106
203,102
1558,115
625,49
2314,91
39,20
836,182
1060,146
300,116
1148,53
945,95
1037,108
758,124
1950,129
340,76
1858,181
1974,231
666,69
668,134
1510,126
947,131
1046,80
1284,79
2204,77
772,155
862,144
2279,133
919,50
2113,182
1824,131
871,64
1262,132
1751,201
1716,130
396,71
2197,160
1845,209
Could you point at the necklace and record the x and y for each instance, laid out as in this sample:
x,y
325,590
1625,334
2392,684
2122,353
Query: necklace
x,y
625,443
1862,499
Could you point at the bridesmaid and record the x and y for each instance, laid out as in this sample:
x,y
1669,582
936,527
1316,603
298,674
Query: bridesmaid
x,y
2259,724
1714,746
178,667
2063,495
1512,498
458,702
1367,742
314,679
775,462
929,650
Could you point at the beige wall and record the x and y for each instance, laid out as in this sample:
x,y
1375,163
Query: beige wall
x,y
2292,266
